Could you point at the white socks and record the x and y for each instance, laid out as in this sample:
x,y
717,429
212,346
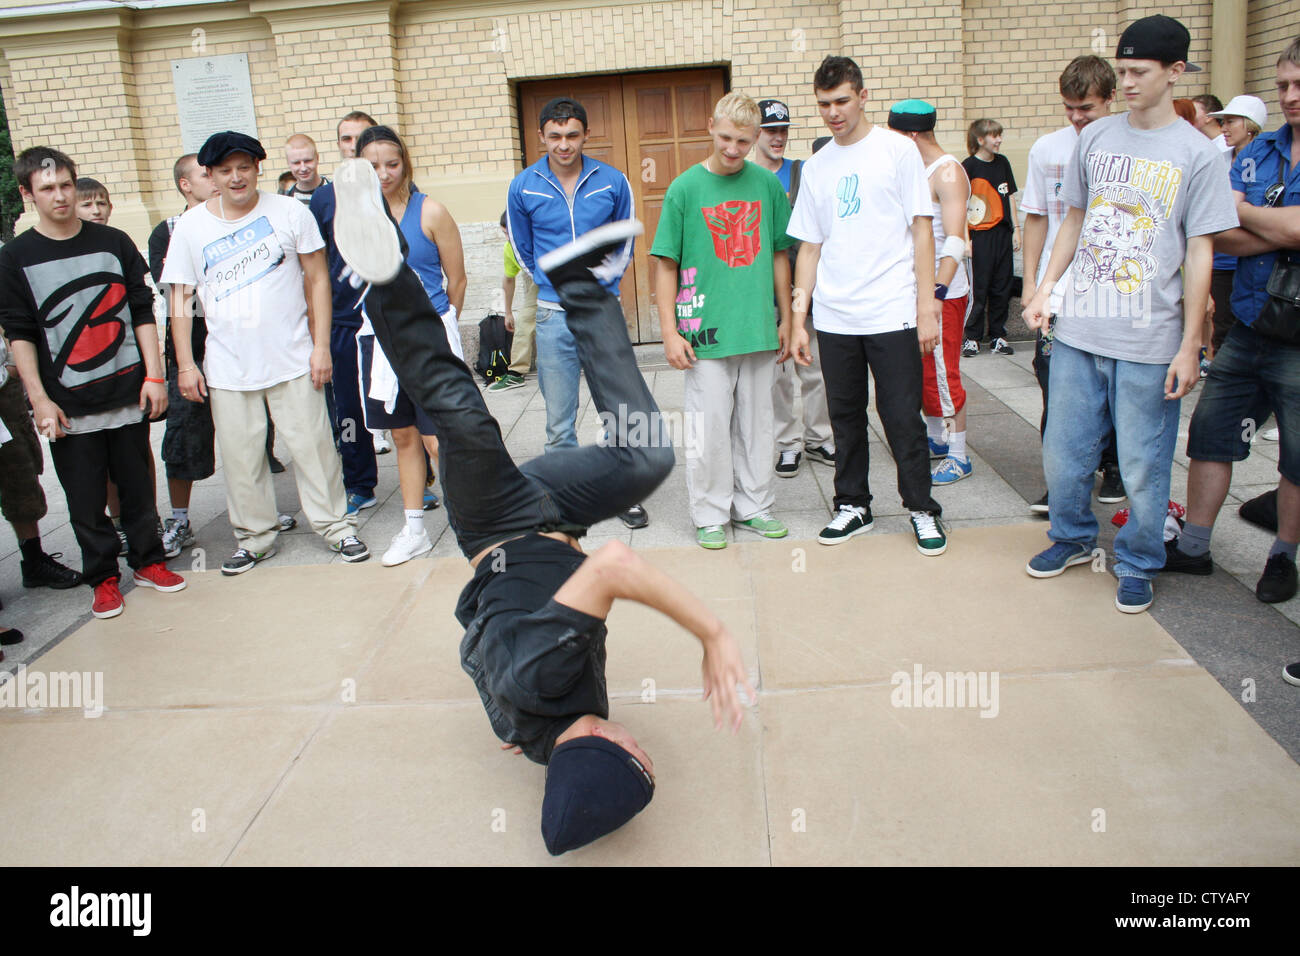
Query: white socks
x,y
957,446
414,520
934,428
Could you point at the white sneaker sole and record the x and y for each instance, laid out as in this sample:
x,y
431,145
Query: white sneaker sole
x,y
852,534
363,233
762,534
146,583
1081,559
105,615
1133,610
602,235
389,561
231,572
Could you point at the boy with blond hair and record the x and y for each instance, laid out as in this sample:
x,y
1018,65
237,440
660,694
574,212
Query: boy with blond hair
x,y
716,272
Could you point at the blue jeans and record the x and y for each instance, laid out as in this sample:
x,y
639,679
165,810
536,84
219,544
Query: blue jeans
x,y
557,374
1088,395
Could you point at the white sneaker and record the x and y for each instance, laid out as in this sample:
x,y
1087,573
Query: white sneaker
x,y
406,546
1270,434
364,235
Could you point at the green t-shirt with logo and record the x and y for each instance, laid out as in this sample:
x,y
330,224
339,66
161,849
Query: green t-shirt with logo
x,y
722,231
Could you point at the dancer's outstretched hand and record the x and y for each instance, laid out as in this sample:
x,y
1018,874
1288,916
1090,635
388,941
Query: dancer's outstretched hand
x,y
723,669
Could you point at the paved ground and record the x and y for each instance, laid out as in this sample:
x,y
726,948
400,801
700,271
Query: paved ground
x,y
1123,697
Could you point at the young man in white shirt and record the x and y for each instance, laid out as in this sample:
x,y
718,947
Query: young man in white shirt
x,y
1087,87
867,260
247,253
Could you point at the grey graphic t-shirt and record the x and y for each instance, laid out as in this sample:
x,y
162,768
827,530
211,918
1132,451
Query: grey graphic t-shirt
x,y
1143,192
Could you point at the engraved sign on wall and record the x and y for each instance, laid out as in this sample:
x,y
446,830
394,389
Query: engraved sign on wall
x,y
213,93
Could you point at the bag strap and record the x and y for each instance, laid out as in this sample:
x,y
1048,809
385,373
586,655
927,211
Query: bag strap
x,y
796,176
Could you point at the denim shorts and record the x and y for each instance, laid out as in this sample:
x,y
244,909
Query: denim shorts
x,y
1250,376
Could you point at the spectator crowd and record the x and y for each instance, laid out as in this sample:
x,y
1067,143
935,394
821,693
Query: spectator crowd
x,y
1161,247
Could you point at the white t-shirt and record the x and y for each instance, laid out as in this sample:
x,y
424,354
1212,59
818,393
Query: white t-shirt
x,y
251,284
859,202
1049,158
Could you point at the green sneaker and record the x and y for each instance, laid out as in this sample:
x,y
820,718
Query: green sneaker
x,y
930,539
763,523
508,381
712,537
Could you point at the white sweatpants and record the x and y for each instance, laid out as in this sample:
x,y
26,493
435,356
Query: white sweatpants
x,y
301,422
729,436
816,416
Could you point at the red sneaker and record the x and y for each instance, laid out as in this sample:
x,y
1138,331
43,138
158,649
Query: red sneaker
x,y
108,599
158,577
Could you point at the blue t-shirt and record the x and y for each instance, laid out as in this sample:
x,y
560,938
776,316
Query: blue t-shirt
x,y
1256,170
783,174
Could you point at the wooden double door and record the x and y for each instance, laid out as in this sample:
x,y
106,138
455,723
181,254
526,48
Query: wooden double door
x,y
652,126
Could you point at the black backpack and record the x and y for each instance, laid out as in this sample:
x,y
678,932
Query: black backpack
x,y
494,344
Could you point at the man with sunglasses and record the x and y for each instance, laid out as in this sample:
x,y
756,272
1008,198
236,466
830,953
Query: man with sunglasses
x,y
1253,372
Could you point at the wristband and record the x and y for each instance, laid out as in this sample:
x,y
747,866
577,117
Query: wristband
x,y
155,381
940,291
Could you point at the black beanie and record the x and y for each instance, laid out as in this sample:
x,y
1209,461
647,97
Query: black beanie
x,y
593,787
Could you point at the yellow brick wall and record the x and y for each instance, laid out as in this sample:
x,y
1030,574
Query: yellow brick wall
x,y
328,73
776,48
78,102
156,92
1270,26
446,74
907,50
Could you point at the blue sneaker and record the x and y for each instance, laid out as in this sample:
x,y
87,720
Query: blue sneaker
x,y
1054,561
430,500
950,470
936,450
1134,595
357,501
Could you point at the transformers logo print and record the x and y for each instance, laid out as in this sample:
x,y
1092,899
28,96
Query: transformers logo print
x,y
734,226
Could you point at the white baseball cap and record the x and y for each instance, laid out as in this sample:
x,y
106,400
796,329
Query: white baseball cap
x,y
1251,107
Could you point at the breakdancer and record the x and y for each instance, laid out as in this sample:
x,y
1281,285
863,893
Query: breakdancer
x,y
534,611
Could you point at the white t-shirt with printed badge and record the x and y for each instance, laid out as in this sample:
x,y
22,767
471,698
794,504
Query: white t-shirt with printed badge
x,y
250,282
858,202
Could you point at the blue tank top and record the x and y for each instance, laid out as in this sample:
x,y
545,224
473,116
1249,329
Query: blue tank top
x,y
423,255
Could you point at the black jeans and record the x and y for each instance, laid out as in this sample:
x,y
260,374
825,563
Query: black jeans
x,y
84,463
894,359
488,497
991,270
1042,369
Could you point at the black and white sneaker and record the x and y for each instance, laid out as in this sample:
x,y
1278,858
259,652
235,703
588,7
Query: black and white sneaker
x,y
848,521
1112,486
787,466
243,560
1039,507
603,252
822,453
365,235
351,549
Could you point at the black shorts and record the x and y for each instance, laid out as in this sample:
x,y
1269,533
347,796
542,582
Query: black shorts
x,y
21,459
188,446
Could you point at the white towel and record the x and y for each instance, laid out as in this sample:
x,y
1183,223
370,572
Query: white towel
x,y
383,380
